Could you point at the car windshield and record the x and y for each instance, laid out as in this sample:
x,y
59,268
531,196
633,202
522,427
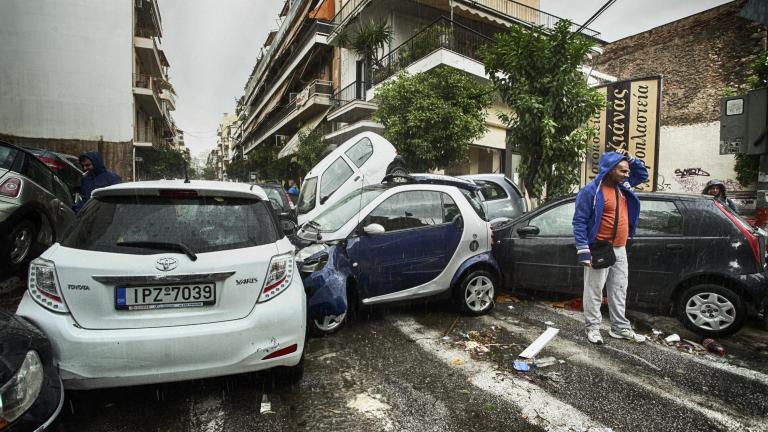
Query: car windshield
x,y
7,155
342,211
203,224
307,196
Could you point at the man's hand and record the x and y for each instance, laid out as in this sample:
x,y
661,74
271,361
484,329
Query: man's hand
x,y
587,264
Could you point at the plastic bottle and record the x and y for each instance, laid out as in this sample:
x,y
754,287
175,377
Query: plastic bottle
x,y
713,346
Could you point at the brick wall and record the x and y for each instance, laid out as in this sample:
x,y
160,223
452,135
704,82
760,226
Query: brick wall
x,y
698,57
117,156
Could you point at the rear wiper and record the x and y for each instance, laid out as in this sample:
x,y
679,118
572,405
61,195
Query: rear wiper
x,y
181,247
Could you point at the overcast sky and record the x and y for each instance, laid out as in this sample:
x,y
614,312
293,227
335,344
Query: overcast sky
x,y
212,46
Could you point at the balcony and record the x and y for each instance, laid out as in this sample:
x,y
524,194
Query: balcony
x,y
149,54
504,12
145,91
315,99
168,97
148,16
350,105
444,42
316,34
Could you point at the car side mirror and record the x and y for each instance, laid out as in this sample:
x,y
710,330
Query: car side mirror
x,y
374,228
289,226
529,230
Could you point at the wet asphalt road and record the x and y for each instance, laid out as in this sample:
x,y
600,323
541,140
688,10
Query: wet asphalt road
x,y
423,367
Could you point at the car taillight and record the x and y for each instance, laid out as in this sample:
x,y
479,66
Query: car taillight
x,y
279,276
10,187
44,285
53,164
752,239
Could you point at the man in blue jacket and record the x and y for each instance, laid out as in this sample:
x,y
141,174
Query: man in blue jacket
x,y
96,176
597,206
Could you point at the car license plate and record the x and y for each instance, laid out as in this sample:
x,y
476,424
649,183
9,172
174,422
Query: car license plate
x,y
165,296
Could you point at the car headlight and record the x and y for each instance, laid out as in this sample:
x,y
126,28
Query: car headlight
x,y
21,391
309,251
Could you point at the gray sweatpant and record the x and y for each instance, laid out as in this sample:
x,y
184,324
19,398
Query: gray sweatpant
x,y
615,279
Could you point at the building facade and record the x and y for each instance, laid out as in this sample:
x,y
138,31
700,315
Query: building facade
x,y
334,91
83,76
699,58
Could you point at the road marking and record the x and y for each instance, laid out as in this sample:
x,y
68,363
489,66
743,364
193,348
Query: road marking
x,y
591,358
538,406
743,372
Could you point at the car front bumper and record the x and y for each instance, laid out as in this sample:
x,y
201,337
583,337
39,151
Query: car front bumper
x,y
90,359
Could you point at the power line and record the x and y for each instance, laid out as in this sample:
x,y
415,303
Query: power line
x,y
599,12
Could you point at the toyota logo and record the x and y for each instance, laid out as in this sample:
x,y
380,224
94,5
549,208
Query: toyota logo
x,y
166,264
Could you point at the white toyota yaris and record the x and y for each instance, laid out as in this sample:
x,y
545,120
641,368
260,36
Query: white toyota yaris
x,y
169,281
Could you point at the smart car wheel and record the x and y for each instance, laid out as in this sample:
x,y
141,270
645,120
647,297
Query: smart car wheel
x,y
477,292
711,310
19,242
327,324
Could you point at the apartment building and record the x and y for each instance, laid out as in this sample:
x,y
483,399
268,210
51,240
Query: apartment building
x,y
225,138
82,76
305,79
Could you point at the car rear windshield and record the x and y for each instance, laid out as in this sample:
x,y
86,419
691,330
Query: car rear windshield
x,y
474,200
7,155
203,224
307,195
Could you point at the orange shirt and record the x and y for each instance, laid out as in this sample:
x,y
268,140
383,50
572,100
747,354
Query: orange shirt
x,y
609,213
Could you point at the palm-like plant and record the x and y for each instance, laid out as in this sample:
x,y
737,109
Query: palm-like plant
x,y
367,40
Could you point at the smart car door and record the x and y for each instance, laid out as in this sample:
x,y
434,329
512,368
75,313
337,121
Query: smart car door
x,y
542,252
419,237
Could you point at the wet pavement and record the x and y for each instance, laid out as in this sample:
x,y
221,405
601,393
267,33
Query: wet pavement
x,y
424,367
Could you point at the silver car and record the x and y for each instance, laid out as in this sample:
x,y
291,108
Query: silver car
x,y
35,206
502,197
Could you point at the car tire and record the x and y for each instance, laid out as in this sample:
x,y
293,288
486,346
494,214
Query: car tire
x,y
476,293
711,310
397,168
19,242
326,325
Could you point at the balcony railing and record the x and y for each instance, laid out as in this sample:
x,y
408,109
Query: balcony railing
x,y
145,32
510,8
350,93
442,33
145,81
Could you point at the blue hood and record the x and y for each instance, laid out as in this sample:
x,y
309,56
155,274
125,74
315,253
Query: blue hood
x,y
608,161
98,163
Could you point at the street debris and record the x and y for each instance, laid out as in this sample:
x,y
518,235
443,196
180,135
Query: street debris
x,y
714,347
457,362
503,298
540,342
544,362
521,366
549,323
672,338
266,405
574,304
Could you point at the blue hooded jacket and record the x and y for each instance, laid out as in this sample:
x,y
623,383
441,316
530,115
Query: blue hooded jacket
x,y
97,178
590,203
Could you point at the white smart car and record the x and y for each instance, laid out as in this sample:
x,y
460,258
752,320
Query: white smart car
x,y
169,281
360,161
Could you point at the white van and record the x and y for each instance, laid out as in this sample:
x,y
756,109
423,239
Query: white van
x,y
362,160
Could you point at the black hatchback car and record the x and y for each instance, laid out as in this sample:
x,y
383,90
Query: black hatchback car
x,y
690,255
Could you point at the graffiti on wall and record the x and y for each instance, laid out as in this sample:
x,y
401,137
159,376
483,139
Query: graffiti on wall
x,y
690,172
693,180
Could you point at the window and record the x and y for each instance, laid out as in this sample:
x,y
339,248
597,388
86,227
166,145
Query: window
x,y
334,177
450,209
474,200
360,152
491,191
275,198
407,210
205,224
62,192
342,211
39,173
659,218
7,155
556,222
307,196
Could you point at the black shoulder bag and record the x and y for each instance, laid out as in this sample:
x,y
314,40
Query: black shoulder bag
x,y
602,250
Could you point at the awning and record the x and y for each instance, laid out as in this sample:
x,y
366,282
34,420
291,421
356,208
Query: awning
x,y
476,11
293,144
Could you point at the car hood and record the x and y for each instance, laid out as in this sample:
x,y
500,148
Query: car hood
x,y
16,338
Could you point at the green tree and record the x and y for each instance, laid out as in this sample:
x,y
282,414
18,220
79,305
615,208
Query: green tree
x,y
312,148
432,117
537,75
161,162
748,166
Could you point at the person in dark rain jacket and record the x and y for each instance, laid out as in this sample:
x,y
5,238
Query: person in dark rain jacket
x,y
96,176
716,188
605,203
